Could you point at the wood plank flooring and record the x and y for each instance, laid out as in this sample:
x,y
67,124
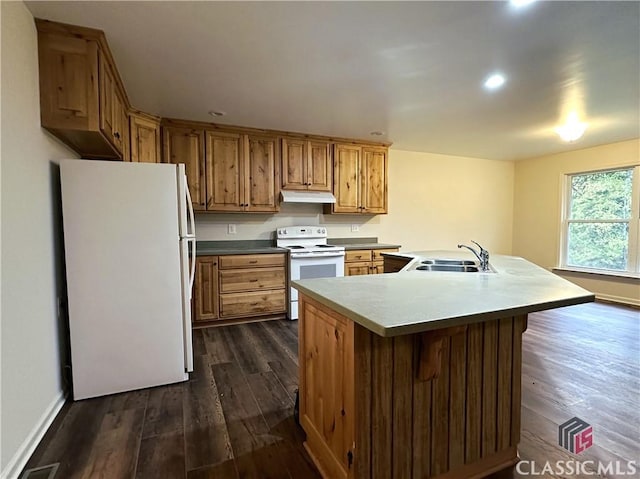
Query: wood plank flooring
x,y
234,417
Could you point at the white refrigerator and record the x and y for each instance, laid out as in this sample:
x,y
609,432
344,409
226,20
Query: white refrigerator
x,y
128,232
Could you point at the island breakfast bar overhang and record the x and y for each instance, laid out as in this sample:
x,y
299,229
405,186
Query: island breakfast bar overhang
x,y
418,374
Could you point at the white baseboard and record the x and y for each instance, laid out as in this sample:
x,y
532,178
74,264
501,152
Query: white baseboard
x,y
22,455
618,299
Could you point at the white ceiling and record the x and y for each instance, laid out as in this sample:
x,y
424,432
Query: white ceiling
x,y
411,69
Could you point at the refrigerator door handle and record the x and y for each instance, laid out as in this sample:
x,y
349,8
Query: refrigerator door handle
x,y
191,222
192,273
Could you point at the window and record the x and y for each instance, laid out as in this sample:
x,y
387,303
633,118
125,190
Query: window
x,y
600,228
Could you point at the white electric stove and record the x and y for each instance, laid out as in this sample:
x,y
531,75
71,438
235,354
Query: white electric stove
x,y
310,257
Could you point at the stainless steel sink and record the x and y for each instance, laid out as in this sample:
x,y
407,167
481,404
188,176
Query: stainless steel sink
x,y
458,268
456,262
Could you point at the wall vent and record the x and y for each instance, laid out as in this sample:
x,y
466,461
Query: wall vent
x,y
43,472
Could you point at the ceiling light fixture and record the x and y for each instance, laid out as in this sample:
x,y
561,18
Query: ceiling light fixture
x,y
521,3
495,81
217,113
573,128
377,133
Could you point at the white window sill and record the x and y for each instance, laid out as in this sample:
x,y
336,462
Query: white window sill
x,y
597,272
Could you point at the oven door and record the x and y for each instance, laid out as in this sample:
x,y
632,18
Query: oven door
x,y
329,265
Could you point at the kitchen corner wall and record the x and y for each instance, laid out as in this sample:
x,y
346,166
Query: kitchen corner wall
x,y
32,345
537,211
435,202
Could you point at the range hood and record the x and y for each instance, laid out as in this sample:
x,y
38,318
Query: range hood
x,y
307,197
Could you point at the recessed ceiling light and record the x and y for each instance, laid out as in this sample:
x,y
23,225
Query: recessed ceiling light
x,y
377,133
521,3
217,113
494,81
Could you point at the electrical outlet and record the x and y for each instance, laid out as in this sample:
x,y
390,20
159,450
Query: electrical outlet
x,y
231,229
355,228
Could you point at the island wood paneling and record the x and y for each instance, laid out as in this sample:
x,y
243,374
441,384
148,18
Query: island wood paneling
x,y
463,423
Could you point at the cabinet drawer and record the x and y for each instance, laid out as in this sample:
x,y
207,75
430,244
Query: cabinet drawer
x,y
357,255
251,260
357,268
232,281
254,303
377,253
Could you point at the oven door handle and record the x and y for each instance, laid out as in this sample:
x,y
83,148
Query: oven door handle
x,y
325,255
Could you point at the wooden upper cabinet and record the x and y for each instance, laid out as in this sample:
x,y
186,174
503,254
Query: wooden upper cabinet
x,y
186,145
346,178
242,172
360,179
225,171
306,165
112,109
82,101
261,173
374,180
145,138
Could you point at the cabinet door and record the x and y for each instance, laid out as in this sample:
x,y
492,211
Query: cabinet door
x,y
206,289
69,93
326,386
374,180
225,172
185,145
112,109
294,164
261,175
319,166
346,182
107,100
357,269
377,267
145,139
119,120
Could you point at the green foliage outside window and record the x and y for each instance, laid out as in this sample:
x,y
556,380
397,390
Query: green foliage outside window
x,y
600,210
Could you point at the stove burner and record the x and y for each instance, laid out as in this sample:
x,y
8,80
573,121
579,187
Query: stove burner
x,y
324,246
295,246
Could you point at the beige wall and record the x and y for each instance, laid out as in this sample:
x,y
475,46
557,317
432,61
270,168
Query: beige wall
x,y
32,351
537,215
435,202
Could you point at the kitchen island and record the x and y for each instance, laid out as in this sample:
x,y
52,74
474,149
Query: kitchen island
x,y
416,374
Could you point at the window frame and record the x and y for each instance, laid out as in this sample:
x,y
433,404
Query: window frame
x,y
633,245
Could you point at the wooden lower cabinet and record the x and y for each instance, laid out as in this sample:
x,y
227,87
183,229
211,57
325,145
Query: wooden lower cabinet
x,y
252,303
441,404
205,294
240,287
365,261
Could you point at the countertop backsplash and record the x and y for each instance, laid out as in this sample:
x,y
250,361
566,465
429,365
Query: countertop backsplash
x,y
255,226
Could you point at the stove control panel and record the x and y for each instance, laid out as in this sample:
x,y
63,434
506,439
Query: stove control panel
x,y
302,232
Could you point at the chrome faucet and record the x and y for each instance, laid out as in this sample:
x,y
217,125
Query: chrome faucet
x,y
483,255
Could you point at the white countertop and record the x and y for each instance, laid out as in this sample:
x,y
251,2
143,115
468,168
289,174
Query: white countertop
x,y
393,304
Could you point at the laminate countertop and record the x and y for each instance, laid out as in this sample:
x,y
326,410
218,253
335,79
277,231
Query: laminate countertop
x,y
221,248
412,301
360,243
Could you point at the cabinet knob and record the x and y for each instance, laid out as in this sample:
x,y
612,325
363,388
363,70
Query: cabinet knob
x,y
117,135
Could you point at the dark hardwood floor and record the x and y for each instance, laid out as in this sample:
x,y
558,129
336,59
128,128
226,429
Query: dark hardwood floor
x,y
234,417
